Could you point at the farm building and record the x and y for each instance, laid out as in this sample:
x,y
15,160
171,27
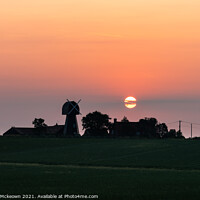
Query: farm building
x,y
125,128
56,130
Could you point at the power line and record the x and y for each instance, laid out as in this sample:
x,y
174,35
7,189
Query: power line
x,y
180,124
191,123
183,122
172,122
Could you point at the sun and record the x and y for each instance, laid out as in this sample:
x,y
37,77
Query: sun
x,y
130,102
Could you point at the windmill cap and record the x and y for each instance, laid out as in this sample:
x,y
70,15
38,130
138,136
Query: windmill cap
x,y
70,108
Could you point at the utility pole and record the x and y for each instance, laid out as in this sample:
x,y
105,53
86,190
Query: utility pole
x,y
191,130
180,125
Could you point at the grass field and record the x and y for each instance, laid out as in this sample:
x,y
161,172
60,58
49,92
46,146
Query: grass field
x,y
109,168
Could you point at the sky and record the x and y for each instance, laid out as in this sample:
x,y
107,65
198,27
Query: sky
x,y
99,51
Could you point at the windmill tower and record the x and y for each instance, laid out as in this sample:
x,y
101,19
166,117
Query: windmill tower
x,y
71,109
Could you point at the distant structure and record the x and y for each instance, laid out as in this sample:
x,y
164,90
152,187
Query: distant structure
x,y
48,131
71,109
125,128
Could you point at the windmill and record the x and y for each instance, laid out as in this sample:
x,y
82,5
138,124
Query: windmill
x,y
71,109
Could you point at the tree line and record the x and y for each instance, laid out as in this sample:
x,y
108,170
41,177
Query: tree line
x,y
98,124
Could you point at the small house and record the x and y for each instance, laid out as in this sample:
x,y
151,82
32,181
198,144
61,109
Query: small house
x,y
56,130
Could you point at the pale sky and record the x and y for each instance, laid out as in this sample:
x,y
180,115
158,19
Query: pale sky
x,y
99,51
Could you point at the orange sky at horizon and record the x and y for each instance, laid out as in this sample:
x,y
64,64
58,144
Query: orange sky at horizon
x,y
149,49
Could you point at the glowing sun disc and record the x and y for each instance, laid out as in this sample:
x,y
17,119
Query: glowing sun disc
x,y
130,102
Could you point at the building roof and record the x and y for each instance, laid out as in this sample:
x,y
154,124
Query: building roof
x,y
124,128
22,131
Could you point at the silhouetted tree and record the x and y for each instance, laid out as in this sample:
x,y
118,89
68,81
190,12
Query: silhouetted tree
x,y
179,134
161,130
173,134
125,119
39,123
147,127
170,134
96,124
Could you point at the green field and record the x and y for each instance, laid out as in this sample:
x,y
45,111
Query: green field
x,y
109,168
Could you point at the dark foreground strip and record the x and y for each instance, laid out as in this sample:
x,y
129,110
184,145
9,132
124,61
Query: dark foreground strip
x,y
96,167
